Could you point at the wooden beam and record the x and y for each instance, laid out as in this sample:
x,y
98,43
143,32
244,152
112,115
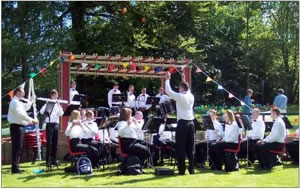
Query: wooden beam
x,y
118,74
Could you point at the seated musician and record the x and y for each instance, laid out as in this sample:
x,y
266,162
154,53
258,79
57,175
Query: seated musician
x,y
257,133
139,122
82,114
230,140
211,136
274,141
75,132
129,142
162,99
141,102
90,130
293,148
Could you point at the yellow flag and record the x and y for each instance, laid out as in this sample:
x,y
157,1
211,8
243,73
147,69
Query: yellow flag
x,y
125,65
52,62
208,79
146,68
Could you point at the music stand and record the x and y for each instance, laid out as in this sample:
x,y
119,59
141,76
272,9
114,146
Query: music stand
x,y
238,122
78,97
119,98
70,108
287,123
208,125
152,124
248,127
153,100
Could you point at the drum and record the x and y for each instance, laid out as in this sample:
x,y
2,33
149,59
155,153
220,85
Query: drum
x,y
168,107
114,110
103,112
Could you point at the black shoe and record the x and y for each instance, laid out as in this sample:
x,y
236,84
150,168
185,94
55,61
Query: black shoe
x,y
55,163
18,171
192,171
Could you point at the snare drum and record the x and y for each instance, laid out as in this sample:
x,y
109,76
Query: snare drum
x,y
114,110
167,107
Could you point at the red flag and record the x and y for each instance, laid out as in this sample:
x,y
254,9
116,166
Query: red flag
x,y
43,71
111,67
11,94
171,70
133,66
198,70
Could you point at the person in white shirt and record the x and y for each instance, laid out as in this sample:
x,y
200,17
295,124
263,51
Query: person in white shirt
x,y
18,118
185,131
163,98
82,114
257,133
230,140
73,91
131,99
211,136
274,141
52,121
141,102
128,136
115,90
75,132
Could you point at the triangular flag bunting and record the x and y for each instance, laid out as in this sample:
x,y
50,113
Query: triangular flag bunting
x,y
84,65
32,75
98,66
133,66
111,67
43,71
220,87
146,68
53,61
71,58
62,59
208,79
171,69
158,69
11,94
22,85
125,65
230,95
242,103
198,70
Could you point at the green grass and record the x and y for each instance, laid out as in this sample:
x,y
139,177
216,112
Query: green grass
x,y
278,177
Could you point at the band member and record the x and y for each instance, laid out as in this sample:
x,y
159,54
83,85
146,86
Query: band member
x,y
141,102
257,133
247,100
163,98
185,131
18,118
274,141
73,90
75,132
230,141
127,132
131,99
82,114
293,148
211,136
280,101
52,121
139,122
115,90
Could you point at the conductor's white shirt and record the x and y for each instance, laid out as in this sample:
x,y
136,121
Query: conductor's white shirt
x,y
55,114
184,102
17,112
278,132
109,97
258,129
141,101
231,133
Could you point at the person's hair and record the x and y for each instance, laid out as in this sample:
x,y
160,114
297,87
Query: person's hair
x,y
73,81
74,115
276,110
116,84
250,91
53,91
230,116
184,85
281,91
18,89
89,114
213,111
125,114
257,110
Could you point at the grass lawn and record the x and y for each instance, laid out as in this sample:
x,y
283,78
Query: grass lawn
x,y
278,177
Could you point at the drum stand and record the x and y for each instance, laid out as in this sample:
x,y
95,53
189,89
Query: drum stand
x,y
149,161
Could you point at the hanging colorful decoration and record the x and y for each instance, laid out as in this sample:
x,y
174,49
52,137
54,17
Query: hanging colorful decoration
x,y
171,69
230,95
158,69
125,65
72,57
146,68
84,65
11,94
98,66
111,67
43,71
133,66
198,70
32,75
242,103
124,10
208,79
220,87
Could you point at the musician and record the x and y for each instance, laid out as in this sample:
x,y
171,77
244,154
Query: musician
x,y
247,100
280,101
75,132
230,140
211,136
141,102
163,98
274,141
185,131
131,99
82,114
115,90
127,132
139,122
52,122
18,118
293,148
257,133
73,91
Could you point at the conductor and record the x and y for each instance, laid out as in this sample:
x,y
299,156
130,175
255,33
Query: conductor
x,y
185,131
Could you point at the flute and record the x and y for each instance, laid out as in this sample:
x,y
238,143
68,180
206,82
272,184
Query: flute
x,y
51,100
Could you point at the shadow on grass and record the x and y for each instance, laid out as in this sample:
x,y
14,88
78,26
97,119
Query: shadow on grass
x,y
43,175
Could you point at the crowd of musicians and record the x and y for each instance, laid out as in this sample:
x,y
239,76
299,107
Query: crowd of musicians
x,y
83,132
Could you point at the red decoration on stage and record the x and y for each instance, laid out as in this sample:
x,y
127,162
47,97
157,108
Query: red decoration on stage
x,y
171,69
43,71
198,70
72,57
11,94
111,67
133,66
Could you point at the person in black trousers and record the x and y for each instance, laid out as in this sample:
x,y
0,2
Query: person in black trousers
x,y
18,118
185,131
52,121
